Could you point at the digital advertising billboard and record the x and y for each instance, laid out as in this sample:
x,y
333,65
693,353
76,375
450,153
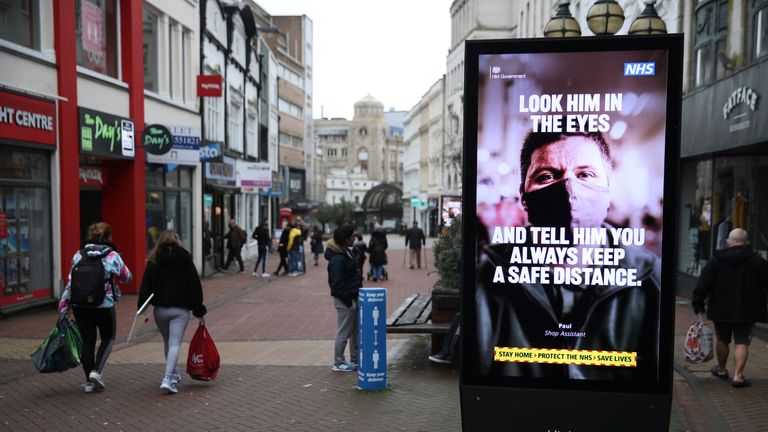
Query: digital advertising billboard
x,y
571,149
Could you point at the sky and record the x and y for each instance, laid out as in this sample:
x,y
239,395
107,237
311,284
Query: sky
x,y
393,50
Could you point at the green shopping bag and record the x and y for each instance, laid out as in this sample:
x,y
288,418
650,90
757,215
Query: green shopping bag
x,y
60,350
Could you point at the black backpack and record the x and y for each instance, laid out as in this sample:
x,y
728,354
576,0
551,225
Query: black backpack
x,y
87,281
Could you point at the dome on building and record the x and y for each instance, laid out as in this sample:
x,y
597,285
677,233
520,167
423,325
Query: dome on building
x,y
369,106
369,100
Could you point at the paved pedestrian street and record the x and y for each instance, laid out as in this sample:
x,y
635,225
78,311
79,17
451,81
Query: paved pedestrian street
x,y
275,337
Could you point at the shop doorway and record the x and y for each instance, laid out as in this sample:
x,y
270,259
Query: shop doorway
x,y
90,210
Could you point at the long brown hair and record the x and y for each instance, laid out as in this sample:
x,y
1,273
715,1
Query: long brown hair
x,y
167,238
99,232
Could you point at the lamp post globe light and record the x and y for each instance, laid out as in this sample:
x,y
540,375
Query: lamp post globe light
x,y
563,24
648,22
605,17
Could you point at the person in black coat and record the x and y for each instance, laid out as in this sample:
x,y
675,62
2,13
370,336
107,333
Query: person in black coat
x,y
262,237
377,251
282,249
345,282
416,239
172,280
735,281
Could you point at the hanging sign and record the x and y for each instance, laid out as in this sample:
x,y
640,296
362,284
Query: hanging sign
x,y
157,139
210,85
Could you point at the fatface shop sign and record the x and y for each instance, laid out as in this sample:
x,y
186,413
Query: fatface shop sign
x,y
157,139
103,134
742,95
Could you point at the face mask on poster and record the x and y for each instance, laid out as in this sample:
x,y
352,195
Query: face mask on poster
x,y
567,203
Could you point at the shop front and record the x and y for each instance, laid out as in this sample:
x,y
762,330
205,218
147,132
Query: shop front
x,y
173,153
253,178
27,141
219,206
724,181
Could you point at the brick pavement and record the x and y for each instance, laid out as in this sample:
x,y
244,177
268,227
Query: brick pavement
x,y
275,336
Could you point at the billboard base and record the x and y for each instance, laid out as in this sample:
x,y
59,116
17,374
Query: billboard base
x,y
543,410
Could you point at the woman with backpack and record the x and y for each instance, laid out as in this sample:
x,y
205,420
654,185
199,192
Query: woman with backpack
x,y
172,280
92,293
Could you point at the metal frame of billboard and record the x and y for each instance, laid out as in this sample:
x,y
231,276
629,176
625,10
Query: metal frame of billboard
x,y
565,403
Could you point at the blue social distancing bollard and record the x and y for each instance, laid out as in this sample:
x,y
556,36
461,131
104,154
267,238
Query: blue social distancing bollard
x,y
372,370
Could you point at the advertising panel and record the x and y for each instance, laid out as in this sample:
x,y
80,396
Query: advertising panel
x,y
572,147
185,148
254,175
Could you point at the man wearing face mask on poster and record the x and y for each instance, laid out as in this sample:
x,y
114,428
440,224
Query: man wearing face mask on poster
x,y
566,185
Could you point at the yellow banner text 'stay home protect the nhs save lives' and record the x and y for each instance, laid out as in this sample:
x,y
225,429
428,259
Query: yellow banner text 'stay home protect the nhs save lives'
x,y
563,356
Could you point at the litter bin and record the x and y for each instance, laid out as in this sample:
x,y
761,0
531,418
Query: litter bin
x,y
372,370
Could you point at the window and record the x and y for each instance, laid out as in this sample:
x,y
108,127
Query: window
x,y
236,122
19,23
290,140
186,37
171,60
150,50
761,28
290,76
331,152
344,152
96,35
250,132
289,108
710,36
213,119
169,203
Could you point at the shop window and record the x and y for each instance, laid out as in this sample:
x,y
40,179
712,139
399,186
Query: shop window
x,y
15,165
19,23
169,204
761,28
97,36
25,245
186,178
711,29
154,175
150,25
172,179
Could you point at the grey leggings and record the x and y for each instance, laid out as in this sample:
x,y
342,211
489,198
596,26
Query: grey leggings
x,y
172,322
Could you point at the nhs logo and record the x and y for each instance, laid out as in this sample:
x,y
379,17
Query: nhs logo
x,y
640,69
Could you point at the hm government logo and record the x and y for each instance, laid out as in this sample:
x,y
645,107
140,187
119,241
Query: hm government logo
x,y
496,73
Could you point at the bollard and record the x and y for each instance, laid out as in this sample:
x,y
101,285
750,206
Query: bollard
x,y
372,369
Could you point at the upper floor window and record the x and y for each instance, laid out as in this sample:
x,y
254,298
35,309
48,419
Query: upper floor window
x,y
761,28
150,49
711,29
19,23
96,34
289,108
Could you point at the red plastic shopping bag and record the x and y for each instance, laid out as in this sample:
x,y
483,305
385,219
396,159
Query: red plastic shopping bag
x,y
203,361
698,343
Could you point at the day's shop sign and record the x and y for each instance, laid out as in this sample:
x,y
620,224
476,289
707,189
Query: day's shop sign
x,y
103,134
184,149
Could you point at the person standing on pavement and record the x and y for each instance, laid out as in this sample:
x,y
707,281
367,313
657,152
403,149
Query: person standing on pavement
x,y
262,237
99,317
172,279
416,239
359,249
282,249
735,282
235,241
316,243
295,239
377,249
345,282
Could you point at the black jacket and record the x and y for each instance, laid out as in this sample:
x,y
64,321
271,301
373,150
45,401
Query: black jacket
x,y
415,238
735,281
343,276
377,248
174,281
611,318
261,235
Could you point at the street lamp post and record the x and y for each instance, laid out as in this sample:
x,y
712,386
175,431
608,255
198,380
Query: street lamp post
x,y
563,24
648,22
605,17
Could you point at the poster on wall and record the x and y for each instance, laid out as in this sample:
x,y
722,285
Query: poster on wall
x,y
572,146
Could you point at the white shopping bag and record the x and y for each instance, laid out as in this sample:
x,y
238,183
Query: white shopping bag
x,y
141,319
